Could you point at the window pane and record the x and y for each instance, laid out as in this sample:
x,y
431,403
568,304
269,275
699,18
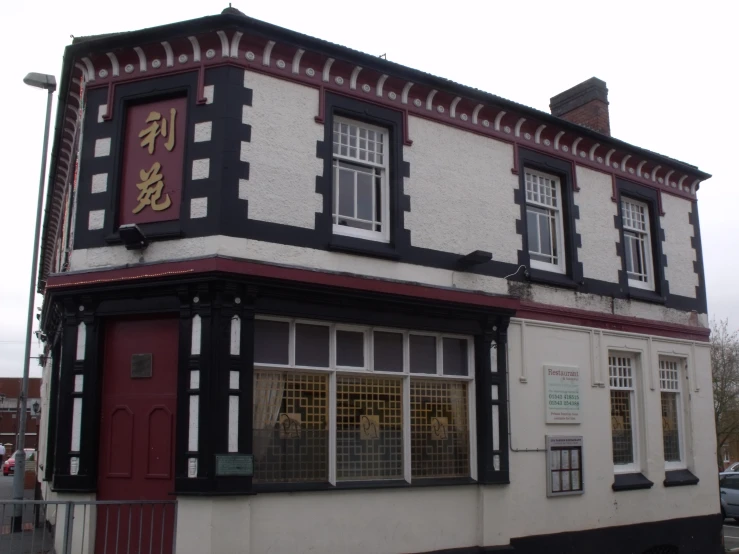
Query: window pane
x,y
290,427
346,191
311,345
349,348
532,223
455,356
388,351
271,342
423,354
369,428
439,429
670,431
364,195
630,248
621,427
545,234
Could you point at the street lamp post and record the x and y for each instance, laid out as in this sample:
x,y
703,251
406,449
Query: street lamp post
x,y
48,83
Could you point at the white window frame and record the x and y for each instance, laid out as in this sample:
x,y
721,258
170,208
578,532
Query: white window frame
x,y
635,466
405,376
384,234
680,365
647,241
726,455
560,266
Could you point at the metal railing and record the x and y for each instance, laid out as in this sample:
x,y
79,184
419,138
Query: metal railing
x,y
88,527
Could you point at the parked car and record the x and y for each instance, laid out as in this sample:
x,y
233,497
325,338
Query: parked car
x,y
9,465
732,467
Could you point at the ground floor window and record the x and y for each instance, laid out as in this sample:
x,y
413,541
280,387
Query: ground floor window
x,y
341,403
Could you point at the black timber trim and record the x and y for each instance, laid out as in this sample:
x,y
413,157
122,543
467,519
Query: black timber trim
x,y
695,241
493,336
630,482
53,393
528,159
650,197
228,215
216,305
679,478
223,151
392,120
251,26
76,311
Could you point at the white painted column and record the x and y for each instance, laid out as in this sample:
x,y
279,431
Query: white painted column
x,y
194,407
74,461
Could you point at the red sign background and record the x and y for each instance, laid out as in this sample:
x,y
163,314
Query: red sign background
x,y
137,158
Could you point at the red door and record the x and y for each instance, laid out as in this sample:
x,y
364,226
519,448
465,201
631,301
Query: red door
x,y
137,434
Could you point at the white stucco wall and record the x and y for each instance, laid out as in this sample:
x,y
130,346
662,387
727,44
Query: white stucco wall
x,y
268,252
282,153
677,247
597,231
461,190
424,519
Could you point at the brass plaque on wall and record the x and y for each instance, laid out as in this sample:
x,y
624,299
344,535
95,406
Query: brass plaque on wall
x,y
141,366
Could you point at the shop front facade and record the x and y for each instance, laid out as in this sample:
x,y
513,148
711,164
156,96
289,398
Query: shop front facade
x,y
329,303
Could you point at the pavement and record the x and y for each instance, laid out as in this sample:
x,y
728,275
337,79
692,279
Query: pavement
x,y
32,539
731,535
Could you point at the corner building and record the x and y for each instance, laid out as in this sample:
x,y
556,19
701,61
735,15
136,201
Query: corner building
x,y
332,304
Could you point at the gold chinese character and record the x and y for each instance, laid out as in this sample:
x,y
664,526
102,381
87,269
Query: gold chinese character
x,y
149,135
151,186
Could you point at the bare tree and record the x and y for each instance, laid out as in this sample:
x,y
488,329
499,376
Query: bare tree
x,y
725,371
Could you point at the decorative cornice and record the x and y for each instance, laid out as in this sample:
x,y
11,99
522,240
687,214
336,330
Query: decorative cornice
x,y
389,87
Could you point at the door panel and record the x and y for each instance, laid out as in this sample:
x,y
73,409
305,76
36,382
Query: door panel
x,y
137,434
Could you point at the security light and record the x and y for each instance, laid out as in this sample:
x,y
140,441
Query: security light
x,y
133,237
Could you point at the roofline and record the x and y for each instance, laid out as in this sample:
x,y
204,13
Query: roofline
x,y
220,21
108,42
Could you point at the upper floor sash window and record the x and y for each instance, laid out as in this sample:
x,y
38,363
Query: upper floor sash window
x,y
360,180
544,221
637,243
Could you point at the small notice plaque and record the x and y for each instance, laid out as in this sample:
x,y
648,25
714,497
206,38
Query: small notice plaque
x,y
230,465
141,366
564,465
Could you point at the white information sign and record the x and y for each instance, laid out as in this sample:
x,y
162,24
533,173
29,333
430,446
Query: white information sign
x,y
562,391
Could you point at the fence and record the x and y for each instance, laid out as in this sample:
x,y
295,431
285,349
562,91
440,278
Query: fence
x,y
87,527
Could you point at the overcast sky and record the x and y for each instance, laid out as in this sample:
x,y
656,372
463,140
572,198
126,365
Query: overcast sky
x,y
670,68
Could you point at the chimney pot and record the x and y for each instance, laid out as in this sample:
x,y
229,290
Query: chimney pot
x,y
585,104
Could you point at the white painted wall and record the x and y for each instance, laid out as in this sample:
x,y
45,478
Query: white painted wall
x,y
282,153
680,254
117,256
422,519
461,190
597,231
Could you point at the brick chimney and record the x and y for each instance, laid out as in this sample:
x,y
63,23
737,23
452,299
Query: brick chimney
x,y
585,104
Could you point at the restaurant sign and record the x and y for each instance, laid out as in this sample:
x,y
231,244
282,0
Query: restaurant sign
x,y
154,146
562,391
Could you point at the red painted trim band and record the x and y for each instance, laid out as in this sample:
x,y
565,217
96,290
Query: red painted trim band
x,y
524,309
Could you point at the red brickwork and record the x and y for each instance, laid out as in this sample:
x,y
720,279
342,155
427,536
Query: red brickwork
x,y
593,115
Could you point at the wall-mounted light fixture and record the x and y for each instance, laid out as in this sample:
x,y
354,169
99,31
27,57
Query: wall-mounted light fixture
x,y
476,257
133,237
